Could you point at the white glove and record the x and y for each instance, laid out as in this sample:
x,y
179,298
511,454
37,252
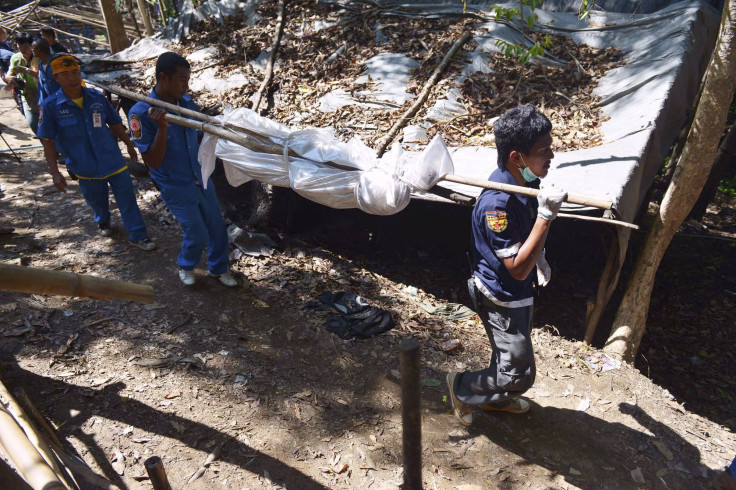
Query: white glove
x,y
550,200
544,271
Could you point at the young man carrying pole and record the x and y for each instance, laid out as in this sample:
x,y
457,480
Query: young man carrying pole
x,y
75,120
171,153
509,232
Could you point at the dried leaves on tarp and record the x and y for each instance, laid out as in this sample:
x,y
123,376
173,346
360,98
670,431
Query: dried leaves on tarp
x,y
314,62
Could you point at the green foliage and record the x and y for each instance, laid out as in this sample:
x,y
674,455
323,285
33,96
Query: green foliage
x,y
520,51
584,9
727,186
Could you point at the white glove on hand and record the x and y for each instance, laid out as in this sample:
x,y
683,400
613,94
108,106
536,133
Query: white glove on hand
x,y
550,200
544,271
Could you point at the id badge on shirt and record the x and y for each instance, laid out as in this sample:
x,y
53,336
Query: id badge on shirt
x,y
97,119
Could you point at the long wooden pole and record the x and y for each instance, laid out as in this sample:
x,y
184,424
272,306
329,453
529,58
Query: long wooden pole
x,y
146,17
406,117
39,281
259,143
39,443
526,191
268,76
60,31
21,21
25,457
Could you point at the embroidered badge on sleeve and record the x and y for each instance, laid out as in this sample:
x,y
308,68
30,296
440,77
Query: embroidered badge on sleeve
x,y
496,221
135,126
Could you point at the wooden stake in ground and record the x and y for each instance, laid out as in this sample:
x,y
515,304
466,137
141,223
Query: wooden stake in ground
x,y
268,76
433,79
39,281
687,182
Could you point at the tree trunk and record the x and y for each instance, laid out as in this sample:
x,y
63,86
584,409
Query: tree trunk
x,y
726,156
146,16
115,28
689,177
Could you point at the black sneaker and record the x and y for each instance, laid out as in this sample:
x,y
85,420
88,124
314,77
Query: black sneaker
x,y
146,244
105,229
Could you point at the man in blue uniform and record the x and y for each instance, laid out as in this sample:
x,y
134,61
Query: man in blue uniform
x,y
46,83
170,151
76,120
509,232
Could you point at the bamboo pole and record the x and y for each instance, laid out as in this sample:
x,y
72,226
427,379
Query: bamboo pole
x,y
26,459
64,32
20,22
87,17
260,143
146,17
131,11
30,280
404,119
268,76
526,191
15,410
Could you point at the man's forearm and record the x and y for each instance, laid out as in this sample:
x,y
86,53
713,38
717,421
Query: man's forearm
x,y
49,151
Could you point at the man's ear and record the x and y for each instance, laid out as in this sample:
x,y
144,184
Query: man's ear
x,y
515,157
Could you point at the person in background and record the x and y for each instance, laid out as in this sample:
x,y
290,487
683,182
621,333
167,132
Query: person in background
x,y
170,151
4,44
80,122
49,35
46,83
24,76
509,232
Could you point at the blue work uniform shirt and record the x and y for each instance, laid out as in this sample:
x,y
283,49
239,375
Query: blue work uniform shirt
x,y
501,224
46,83
180,172
83,135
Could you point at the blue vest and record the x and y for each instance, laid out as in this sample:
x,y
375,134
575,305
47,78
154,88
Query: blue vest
x,y
501,223
83,135
180,171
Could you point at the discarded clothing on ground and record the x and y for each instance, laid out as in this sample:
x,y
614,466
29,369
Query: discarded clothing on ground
x,y
355,318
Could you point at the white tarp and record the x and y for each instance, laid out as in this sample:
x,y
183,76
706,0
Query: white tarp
x,y
335,174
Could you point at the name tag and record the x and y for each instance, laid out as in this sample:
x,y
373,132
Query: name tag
x,y
97,119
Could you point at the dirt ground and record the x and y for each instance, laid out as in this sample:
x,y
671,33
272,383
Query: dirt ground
x,y
251,373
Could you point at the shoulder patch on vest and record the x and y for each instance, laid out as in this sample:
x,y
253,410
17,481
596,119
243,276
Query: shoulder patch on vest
x,y
496,221
135,126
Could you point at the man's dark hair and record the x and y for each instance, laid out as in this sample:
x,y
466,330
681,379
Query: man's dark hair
x,y
41,45
48,31
23,38
519,129
168,63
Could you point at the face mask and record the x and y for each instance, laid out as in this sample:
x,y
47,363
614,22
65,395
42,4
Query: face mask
x,y
526,173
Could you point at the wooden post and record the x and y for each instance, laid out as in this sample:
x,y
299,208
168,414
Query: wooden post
x,y
157,473
115,27
143,8
411,413
162,8
131,11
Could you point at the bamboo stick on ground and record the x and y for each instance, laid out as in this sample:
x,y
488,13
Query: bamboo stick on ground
x,y
404,119
268,76
26,459
29,280
15,410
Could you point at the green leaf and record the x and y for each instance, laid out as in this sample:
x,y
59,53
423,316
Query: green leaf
x,y
431,382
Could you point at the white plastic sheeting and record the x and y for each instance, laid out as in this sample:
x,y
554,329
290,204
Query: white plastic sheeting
x,y
329,172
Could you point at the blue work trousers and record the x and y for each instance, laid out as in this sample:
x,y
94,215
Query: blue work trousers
x,y
203,226
96,194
